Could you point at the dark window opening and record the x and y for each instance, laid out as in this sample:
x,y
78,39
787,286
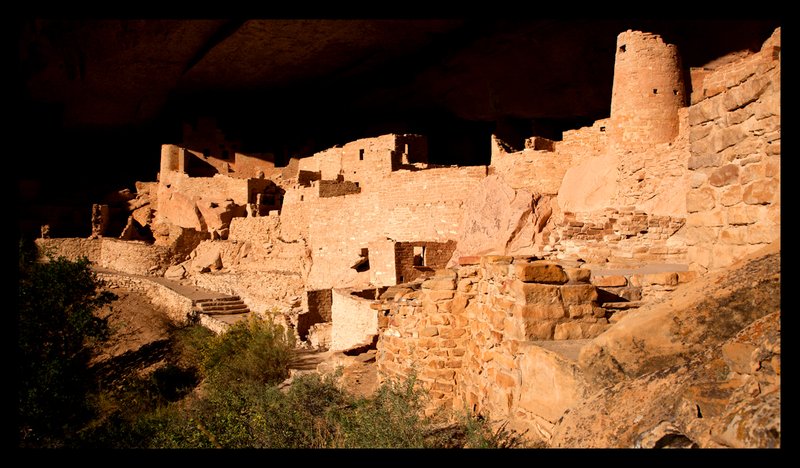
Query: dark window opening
x,y
622,48
362,264
655,91
361,155
675,92
602,129
419,256
301,198
357,185
213,205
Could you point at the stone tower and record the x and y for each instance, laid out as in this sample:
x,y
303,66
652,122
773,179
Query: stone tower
x,y
647,93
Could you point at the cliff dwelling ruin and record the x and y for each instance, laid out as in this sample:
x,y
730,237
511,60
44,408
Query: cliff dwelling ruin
x,y
506,283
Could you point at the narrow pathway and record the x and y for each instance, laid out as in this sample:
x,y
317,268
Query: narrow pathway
x,y
217,310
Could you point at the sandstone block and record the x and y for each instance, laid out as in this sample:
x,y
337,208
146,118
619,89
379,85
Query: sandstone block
x,y
724,175
506,381
580,310
445,284
665,278
731,195
762,233
736,235
429,331
534,293
438,295
752,172
702,199
742,214
538,311
568,331
540,272
469,260
528,330
175,272
578,294
703,155
578,275
609,281
697,180
496,260
708,218
761,192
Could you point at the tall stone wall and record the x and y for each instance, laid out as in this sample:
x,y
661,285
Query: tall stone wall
x,y
406,206
735,131
468,335
178,308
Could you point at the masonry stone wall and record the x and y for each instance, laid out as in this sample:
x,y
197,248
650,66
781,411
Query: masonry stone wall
x,y
735,132
251,166
464,331
406,206
618,235
134,257
71,248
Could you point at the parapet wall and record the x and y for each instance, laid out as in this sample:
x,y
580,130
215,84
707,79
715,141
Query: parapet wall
x,y
132,257
72,248
734,199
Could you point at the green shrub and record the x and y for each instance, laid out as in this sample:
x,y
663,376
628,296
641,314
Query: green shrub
x,y
253,350
56,329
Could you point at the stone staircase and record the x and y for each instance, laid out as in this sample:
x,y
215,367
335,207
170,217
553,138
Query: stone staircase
x,y
226,305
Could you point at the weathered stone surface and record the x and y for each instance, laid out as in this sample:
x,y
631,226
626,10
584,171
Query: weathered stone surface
x,y
590,185
761,192
666,278
208,259
609,281
737,356
578,275
540,272
518,328
697,315
538,311
493,215
552,383
703,405
175,272
725,175
578,294
702,199
446,284
533,293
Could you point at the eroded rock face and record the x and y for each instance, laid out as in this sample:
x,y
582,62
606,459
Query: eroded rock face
x,y
699,370
701,403
496,216
702,314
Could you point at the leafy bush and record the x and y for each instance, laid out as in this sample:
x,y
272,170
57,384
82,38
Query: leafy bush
x,y
56,329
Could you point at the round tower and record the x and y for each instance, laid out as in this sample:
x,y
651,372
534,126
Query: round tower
x,y
647,93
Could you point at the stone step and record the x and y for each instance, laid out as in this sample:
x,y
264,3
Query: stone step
x,y
233,311
222,305
218,299
622,305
